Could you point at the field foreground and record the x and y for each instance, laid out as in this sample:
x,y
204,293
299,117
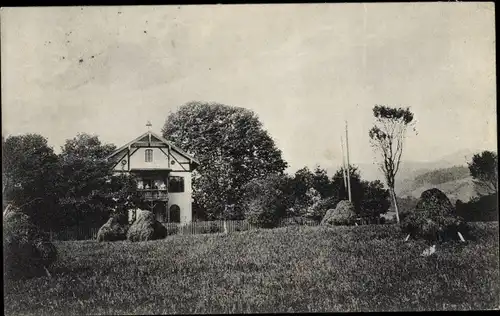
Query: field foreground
x,y
295,269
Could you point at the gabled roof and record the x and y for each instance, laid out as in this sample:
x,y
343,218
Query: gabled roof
x,y
161,140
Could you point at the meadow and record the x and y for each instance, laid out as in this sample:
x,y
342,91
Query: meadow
x,y
291,269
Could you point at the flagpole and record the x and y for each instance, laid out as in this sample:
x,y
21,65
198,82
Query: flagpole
x,y
344,174
348,172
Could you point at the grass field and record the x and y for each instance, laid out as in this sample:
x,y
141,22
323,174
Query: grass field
x,y
294,269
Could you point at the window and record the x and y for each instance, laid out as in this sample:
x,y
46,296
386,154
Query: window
x,y
176,184
148,155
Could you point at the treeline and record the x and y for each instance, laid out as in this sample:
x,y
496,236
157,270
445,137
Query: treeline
x,y
76,187
309,194
241,174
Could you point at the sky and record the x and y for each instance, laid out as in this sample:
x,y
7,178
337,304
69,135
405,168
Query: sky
x,y
302,68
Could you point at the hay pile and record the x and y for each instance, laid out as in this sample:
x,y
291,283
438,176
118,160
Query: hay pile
x,y
434,218
114,229
28,252
343,214
146,227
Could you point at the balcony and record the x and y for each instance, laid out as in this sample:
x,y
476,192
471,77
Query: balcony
x,y
154,194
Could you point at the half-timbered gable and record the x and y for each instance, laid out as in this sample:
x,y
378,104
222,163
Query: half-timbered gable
x,y
164,173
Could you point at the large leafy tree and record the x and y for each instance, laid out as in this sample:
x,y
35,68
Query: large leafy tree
x,y
306,187
484,169
265,201
88,190
29,176
340,190
299,185
370,198
375,201
387,138
322,183
232,147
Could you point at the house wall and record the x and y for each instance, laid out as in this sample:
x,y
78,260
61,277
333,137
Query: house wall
x,y
160,160
119,157
183,199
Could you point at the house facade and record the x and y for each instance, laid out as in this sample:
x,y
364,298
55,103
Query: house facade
x,y
164,173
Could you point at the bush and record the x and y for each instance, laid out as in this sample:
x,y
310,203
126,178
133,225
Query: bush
x,y
318,210
265,202
146,227
27,251
434,218
114,229
406,206
481,209
343,214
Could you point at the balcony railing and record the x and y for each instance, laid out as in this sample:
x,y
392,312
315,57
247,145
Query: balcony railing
x,y
154,194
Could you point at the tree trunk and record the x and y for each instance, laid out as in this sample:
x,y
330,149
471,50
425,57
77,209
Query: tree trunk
x,y
395,203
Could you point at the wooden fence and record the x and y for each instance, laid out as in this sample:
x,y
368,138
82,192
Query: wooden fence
x,y
207,227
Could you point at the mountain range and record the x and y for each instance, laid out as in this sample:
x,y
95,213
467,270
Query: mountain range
x,y
450,174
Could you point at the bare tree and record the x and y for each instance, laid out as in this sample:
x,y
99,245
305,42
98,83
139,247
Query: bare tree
x,y
387,138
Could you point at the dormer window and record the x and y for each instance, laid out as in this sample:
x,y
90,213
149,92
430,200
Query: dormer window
x,y
148,155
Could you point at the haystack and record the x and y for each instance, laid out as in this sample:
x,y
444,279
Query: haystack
x,y
114,229
343,214
146,227
28,252
434,218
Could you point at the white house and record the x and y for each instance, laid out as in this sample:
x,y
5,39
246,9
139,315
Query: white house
x,y
164,172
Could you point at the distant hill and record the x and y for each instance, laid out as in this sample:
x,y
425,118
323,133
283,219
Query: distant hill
x,y
450,174
409,169
458,187
433,178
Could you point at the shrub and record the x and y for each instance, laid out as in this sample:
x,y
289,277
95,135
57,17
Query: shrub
x,y
146,227
27,251
406,206
343,214
434,218
265,202
318,210
480,209
114,229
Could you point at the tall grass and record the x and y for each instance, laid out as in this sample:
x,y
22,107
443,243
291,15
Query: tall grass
x,y
290,269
